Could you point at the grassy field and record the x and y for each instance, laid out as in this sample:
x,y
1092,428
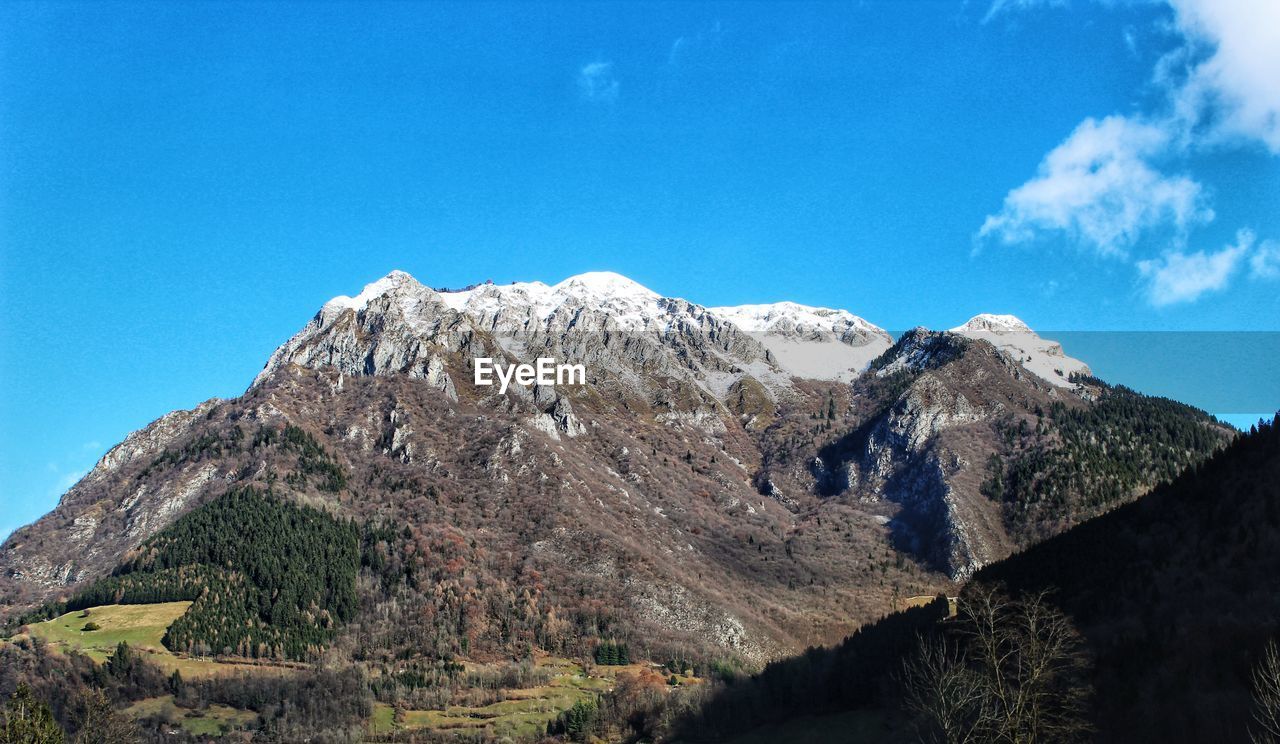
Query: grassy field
x,y
523,714
142,626
214,720
924,599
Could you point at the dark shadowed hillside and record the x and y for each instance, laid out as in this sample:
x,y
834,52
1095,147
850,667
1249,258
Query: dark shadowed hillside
x,y
1176,595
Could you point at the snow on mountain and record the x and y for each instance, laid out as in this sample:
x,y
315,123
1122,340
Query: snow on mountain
x,y
409,312
605,284
392,282
631,305
811,342
992,323
526,317
1042,357
411,301
790,318
625,334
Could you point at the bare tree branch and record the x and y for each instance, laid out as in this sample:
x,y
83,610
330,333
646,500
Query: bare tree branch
x,y
1015,672
1266,697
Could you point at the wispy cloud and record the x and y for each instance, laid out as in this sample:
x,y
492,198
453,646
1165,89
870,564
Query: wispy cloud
x,y
1130,36
677,50
1265,261
1179,277
596,82
69,469
1099,188
67,480
684,46
999,7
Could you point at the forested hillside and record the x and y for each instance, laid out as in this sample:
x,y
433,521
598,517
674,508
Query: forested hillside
x,y
853,675
1074,462
268,578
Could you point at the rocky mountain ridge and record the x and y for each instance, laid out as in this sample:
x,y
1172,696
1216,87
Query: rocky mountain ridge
x,y
530,318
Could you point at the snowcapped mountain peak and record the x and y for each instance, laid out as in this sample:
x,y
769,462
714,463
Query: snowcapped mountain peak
x,y
785,317
630,304
396,281
1039,356
782,338
604,284
992,323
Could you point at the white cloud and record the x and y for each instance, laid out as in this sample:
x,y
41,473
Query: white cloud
x,y
1231,89
1179,277
677,50
68,470
1100,188
597,83
1108,184
1265,261
1130,36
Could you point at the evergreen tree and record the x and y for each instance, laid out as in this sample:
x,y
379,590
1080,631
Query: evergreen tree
x,y
28,720
120,662
176,685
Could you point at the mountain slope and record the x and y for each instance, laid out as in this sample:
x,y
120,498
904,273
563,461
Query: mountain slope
x,y
1010,335
965,442
811,342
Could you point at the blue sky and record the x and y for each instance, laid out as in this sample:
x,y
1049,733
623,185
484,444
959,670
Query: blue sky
x,y
183,184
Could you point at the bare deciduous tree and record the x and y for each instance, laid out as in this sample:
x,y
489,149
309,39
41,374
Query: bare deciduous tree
x,y
943,690
1007,671
1266,697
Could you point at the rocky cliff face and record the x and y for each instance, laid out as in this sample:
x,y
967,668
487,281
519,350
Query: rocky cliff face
x,y
929,449
763,476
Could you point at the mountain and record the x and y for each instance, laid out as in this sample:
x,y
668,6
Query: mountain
x,y
746,480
